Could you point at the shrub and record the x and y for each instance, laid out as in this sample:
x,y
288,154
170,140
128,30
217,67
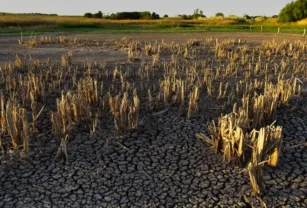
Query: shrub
x,y
259,19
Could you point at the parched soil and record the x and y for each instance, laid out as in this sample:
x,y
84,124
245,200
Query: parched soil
x,y
9,45
161,163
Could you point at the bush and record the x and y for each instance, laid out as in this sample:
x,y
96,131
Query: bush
x,y
165,16
293,11
259,19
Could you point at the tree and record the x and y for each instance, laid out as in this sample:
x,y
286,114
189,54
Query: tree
x,y
98,14
88,15
219,14
293,11
246,16
183,16
146,15
201,12
155,16
197,14
165,16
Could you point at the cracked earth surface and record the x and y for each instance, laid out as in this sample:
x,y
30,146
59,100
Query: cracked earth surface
x,y
161,164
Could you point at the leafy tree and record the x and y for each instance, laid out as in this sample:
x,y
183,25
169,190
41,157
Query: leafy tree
x,y
155,16
146,15
133,15
293,11
184,17
98,15
88,15
246,16
165,16
197,14
201,12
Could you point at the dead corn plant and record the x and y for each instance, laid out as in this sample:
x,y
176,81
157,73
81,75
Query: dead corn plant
x,y
133,56
67,59
88,89
124,112
150,49
63,39
283,90
16,125
134,51
229,136
72,110
266,147
263,111
30,43
18,63
193,105
222,91
46,40
156,61
2,119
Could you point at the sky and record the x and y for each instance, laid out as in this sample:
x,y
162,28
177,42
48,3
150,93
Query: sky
x,y
172,8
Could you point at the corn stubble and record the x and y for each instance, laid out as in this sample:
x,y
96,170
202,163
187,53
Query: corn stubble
x,y
259,79
125,113
236,132
266,148
14,121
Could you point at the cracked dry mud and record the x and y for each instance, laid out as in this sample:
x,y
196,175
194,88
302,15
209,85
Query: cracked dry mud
x,y
161,164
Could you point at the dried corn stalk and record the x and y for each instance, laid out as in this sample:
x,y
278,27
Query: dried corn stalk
x,y
266,148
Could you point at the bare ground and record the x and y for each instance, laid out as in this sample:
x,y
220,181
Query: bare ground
x,y
159,165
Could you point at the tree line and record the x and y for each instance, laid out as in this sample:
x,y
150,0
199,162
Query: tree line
x,y
124,15
292,12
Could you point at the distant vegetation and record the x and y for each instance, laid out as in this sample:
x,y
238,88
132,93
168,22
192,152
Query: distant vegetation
x,y
125,15
196,15
219,14
293,11
290,20
27,14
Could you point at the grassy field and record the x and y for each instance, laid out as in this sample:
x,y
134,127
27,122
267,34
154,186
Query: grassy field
x,y
34,24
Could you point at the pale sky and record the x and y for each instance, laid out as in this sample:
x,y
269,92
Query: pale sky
x,y
172,8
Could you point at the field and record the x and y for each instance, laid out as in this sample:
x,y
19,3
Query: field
x,y
153,120
14,24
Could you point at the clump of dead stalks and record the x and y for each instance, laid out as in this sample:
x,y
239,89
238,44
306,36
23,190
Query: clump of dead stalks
x,y
266,144
125,113
72,110
67,59
249,126
31,42
14,122
193,104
